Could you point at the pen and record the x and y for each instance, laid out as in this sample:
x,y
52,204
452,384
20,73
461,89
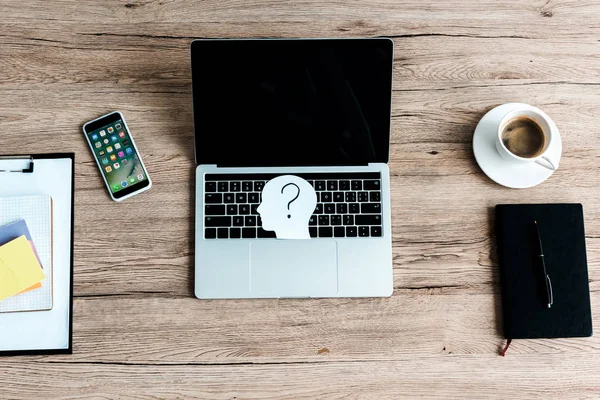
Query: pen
x,y
548,283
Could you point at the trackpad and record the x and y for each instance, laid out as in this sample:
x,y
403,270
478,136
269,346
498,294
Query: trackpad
x,y
293,268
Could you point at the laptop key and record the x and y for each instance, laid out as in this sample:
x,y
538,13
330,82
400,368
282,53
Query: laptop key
x,y
371,185
323,219
354,208
325,197
363,231
339,231
370,208
319,209
374,196
313,232
217,221
336,220
228,198
258,186
329,208
367,219
235,186
241,198
211,198
253,198
375,231
344,185
238,221
244,209
351,231
223,233
223,186
325,231
312,220
250,221
214,209
338,197
247,186
235,233
348,219
210,186
350,197
254,209
248,233
210,233
342,208
261,233
363,196
332,185
356,185
320,185
232,209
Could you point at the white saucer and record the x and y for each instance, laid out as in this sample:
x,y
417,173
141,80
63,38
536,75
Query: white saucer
x,y
506,173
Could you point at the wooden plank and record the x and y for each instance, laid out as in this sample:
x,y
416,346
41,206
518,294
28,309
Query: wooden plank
x,y
538,18
149,329
89,56
439,377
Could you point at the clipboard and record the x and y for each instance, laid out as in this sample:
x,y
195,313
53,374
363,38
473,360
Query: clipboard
x,y
51,331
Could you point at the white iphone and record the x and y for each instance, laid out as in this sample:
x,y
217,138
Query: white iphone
x,y
117,157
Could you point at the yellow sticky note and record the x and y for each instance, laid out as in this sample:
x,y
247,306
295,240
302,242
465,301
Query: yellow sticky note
x,y
19,267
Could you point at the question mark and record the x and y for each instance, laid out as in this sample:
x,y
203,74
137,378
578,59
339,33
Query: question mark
x,y
292,200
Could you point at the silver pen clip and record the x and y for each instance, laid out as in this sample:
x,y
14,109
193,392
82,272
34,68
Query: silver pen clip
x,y
550,287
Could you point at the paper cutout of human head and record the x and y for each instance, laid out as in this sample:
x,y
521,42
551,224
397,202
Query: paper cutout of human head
x,y
287,204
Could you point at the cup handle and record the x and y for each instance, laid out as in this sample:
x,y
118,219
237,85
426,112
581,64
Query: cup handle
x,y
545,162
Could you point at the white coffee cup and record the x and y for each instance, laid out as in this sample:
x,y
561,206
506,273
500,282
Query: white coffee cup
x,y
544,122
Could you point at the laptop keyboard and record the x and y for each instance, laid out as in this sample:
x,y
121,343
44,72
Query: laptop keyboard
x,y
348,205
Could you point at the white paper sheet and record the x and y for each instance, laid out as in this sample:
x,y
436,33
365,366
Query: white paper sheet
x,y
44,330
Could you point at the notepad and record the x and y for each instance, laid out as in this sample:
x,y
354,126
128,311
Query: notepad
x,y
524,298
19,267
36,210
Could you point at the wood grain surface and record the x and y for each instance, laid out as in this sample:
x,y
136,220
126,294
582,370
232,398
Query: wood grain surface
x,y
138,331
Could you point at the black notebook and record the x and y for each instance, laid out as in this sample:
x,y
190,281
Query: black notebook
x,y
525,292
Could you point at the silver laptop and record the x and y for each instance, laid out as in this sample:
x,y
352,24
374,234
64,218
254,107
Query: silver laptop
x,y
292,140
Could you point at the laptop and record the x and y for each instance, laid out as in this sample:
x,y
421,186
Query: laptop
x,y
292,140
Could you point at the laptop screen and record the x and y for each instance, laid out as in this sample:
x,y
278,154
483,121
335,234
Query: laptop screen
x,y
292,102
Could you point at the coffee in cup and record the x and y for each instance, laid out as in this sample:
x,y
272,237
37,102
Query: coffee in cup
x,y
523,137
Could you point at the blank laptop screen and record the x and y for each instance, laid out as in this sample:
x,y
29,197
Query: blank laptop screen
x,y
292,102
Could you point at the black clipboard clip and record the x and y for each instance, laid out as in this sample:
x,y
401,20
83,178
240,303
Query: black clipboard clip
x,y
28,169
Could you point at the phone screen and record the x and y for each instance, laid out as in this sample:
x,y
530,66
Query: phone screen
x,y
117,155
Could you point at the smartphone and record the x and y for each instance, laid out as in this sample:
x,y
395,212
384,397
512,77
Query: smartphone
x,y
117,156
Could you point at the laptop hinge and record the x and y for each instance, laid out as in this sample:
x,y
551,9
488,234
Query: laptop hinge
x,y
289,166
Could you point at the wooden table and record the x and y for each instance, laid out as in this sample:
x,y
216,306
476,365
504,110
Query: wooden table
x,y
138,331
